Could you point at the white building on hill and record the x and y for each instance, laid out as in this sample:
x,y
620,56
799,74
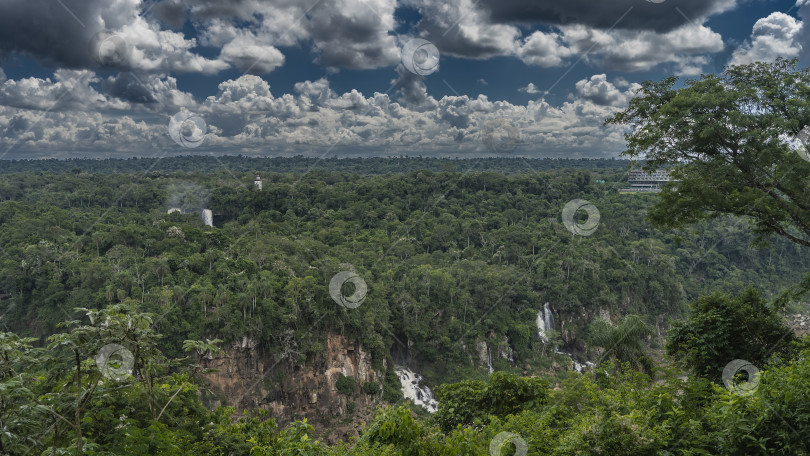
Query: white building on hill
x,y
641,181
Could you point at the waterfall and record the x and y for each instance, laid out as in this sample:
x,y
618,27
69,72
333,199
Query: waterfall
x,y
511,356
548,318
579,367
541,326
420,395
545,322
489,360
208,217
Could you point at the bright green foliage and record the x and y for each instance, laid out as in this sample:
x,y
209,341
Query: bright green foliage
x,y
295,440
615,412
395,431
501,395
459,403
18,420
722,328
73,404
625,413
623,342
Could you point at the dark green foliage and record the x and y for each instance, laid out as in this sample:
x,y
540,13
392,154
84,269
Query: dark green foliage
x,y
722,328
158,167
434,271
624,342
371,388
392,388
724,138
521,338
345,384
434,267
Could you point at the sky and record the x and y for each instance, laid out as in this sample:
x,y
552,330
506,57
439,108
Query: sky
x,y
335,78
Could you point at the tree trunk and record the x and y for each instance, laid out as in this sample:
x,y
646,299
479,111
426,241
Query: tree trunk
x,y
78,402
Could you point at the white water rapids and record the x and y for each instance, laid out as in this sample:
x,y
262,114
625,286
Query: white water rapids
x,y
411,389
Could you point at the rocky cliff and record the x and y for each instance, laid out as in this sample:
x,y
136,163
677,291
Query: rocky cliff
x,y
245,378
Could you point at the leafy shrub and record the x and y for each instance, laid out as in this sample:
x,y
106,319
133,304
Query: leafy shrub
x,y
723,328
345,384
501,395
396,426
371,388
392,388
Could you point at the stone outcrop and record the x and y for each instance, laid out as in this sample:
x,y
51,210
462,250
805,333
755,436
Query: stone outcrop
x,y
247,379
800,324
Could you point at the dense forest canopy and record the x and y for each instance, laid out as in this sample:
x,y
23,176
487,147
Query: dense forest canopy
x,y
449,259
393,165
437,250
118,288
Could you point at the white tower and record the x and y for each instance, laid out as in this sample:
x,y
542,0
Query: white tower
x,y
258,182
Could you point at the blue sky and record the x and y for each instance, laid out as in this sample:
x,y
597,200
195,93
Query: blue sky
x,y
288,77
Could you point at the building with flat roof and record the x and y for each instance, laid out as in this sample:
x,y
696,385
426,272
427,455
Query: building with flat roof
x,y
644,182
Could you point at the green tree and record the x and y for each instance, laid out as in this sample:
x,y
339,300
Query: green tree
x,y
730,142
722,328
501,395
18,419
623,342
345,384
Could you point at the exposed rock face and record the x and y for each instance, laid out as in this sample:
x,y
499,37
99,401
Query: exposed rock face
x,y
483,353
248,379
504,351
800,324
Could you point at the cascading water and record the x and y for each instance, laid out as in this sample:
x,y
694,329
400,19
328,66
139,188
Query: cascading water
x,y
548,317
420,395
579,367
208,217
541,326
489,360
545,322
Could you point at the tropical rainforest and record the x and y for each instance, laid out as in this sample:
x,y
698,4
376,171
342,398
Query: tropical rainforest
x,y
665,293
